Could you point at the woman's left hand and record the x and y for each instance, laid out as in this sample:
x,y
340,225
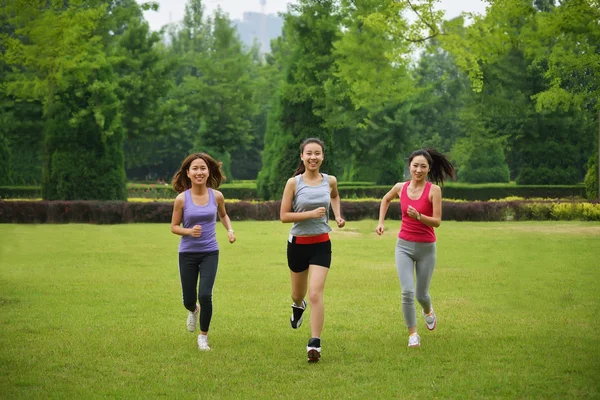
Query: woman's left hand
x,y
340,222
412,212
231,236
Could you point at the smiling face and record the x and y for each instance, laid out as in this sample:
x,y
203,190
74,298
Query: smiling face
x,y
312,156
419,168
198,172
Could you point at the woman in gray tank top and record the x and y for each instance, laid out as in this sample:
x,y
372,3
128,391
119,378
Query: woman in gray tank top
x,y
306,201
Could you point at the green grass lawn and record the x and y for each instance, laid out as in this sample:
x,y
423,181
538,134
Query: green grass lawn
x,y
90,311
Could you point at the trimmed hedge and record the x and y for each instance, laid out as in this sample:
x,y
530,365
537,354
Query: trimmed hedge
x,y
450,191
20,192
137,191
117,212
478,192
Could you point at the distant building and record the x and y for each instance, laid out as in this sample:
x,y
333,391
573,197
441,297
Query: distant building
x,y
259,26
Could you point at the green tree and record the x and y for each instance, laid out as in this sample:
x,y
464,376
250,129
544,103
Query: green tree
x,y
226,106
369,95
62,50
484,162
266,76
310,28
591,178
442,94
541,61
20,123
4,161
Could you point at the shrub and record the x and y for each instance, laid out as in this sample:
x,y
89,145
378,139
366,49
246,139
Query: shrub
x,y
116,212
591,178
83,159
485,164
4,161
474,211
483,192
545,175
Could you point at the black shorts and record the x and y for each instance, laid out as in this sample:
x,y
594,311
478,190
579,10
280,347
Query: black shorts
x,y
300,256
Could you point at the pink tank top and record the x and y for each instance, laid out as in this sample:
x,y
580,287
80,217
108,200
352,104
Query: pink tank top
x,y
411,229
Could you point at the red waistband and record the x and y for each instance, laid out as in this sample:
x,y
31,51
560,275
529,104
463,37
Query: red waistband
x,y
311,239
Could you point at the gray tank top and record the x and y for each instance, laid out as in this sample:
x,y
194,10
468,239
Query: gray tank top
x,y
308,198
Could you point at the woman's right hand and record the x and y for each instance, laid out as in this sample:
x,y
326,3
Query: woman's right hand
x,y
319,212
196,231
380,229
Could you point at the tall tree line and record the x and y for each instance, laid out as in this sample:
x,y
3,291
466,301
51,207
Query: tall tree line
x,y
90,95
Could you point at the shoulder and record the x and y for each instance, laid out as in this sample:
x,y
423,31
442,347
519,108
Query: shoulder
x,y
218,195
400,185
332,179
180,199
435,190
291,181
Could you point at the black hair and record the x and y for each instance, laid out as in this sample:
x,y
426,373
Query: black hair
x,y
439,165
301,168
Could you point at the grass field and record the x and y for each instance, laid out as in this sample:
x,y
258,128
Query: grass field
x,y
90,311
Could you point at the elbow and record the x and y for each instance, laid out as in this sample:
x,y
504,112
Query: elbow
x,y
173,229
437,224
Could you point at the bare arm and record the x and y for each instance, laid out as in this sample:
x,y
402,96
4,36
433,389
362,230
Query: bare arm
x,y
223,215
435,196
177,217
285,212
436,201
336,202
385,205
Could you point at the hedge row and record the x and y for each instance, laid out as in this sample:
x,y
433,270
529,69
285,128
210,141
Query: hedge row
x,y
458,192
479,192
116,212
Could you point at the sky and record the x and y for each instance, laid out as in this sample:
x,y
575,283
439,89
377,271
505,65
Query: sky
x,y
172,10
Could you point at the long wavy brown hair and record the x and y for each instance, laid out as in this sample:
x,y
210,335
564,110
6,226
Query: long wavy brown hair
x,y
181,182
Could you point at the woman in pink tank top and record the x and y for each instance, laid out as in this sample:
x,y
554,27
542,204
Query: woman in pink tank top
x,y
421,206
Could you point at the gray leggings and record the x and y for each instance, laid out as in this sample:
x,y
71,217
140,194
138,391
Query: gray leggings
x,y
411,257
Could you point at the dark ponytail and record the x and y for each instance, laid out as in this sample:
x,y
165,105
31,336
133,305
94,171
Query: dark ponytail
x,y
439,165
301,168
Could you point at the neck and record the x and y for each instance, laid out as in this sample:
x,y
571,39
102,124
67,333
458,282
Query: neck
x,y
199,189
311,174
417,183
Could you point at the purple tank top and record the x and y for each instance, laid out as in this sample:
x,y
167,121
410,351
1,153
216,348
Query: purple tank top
x,y
206,217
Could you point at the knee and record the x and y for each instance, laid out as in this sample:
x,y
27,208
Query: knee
x,y
315,296
190,305
423,298
408,296
205,299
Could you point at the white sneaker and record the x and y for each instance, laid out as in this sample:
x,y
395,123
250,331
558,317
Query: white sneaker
x,y
430,320
192,319
203,342
414,340
313,350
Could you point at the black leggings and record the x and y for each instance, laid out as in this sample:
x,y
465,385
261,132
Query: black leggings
x,y
190,266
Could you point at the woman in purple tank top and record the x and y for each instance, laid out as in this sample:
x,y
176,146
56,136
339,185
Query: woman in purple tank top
x,y
194,219
421,207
